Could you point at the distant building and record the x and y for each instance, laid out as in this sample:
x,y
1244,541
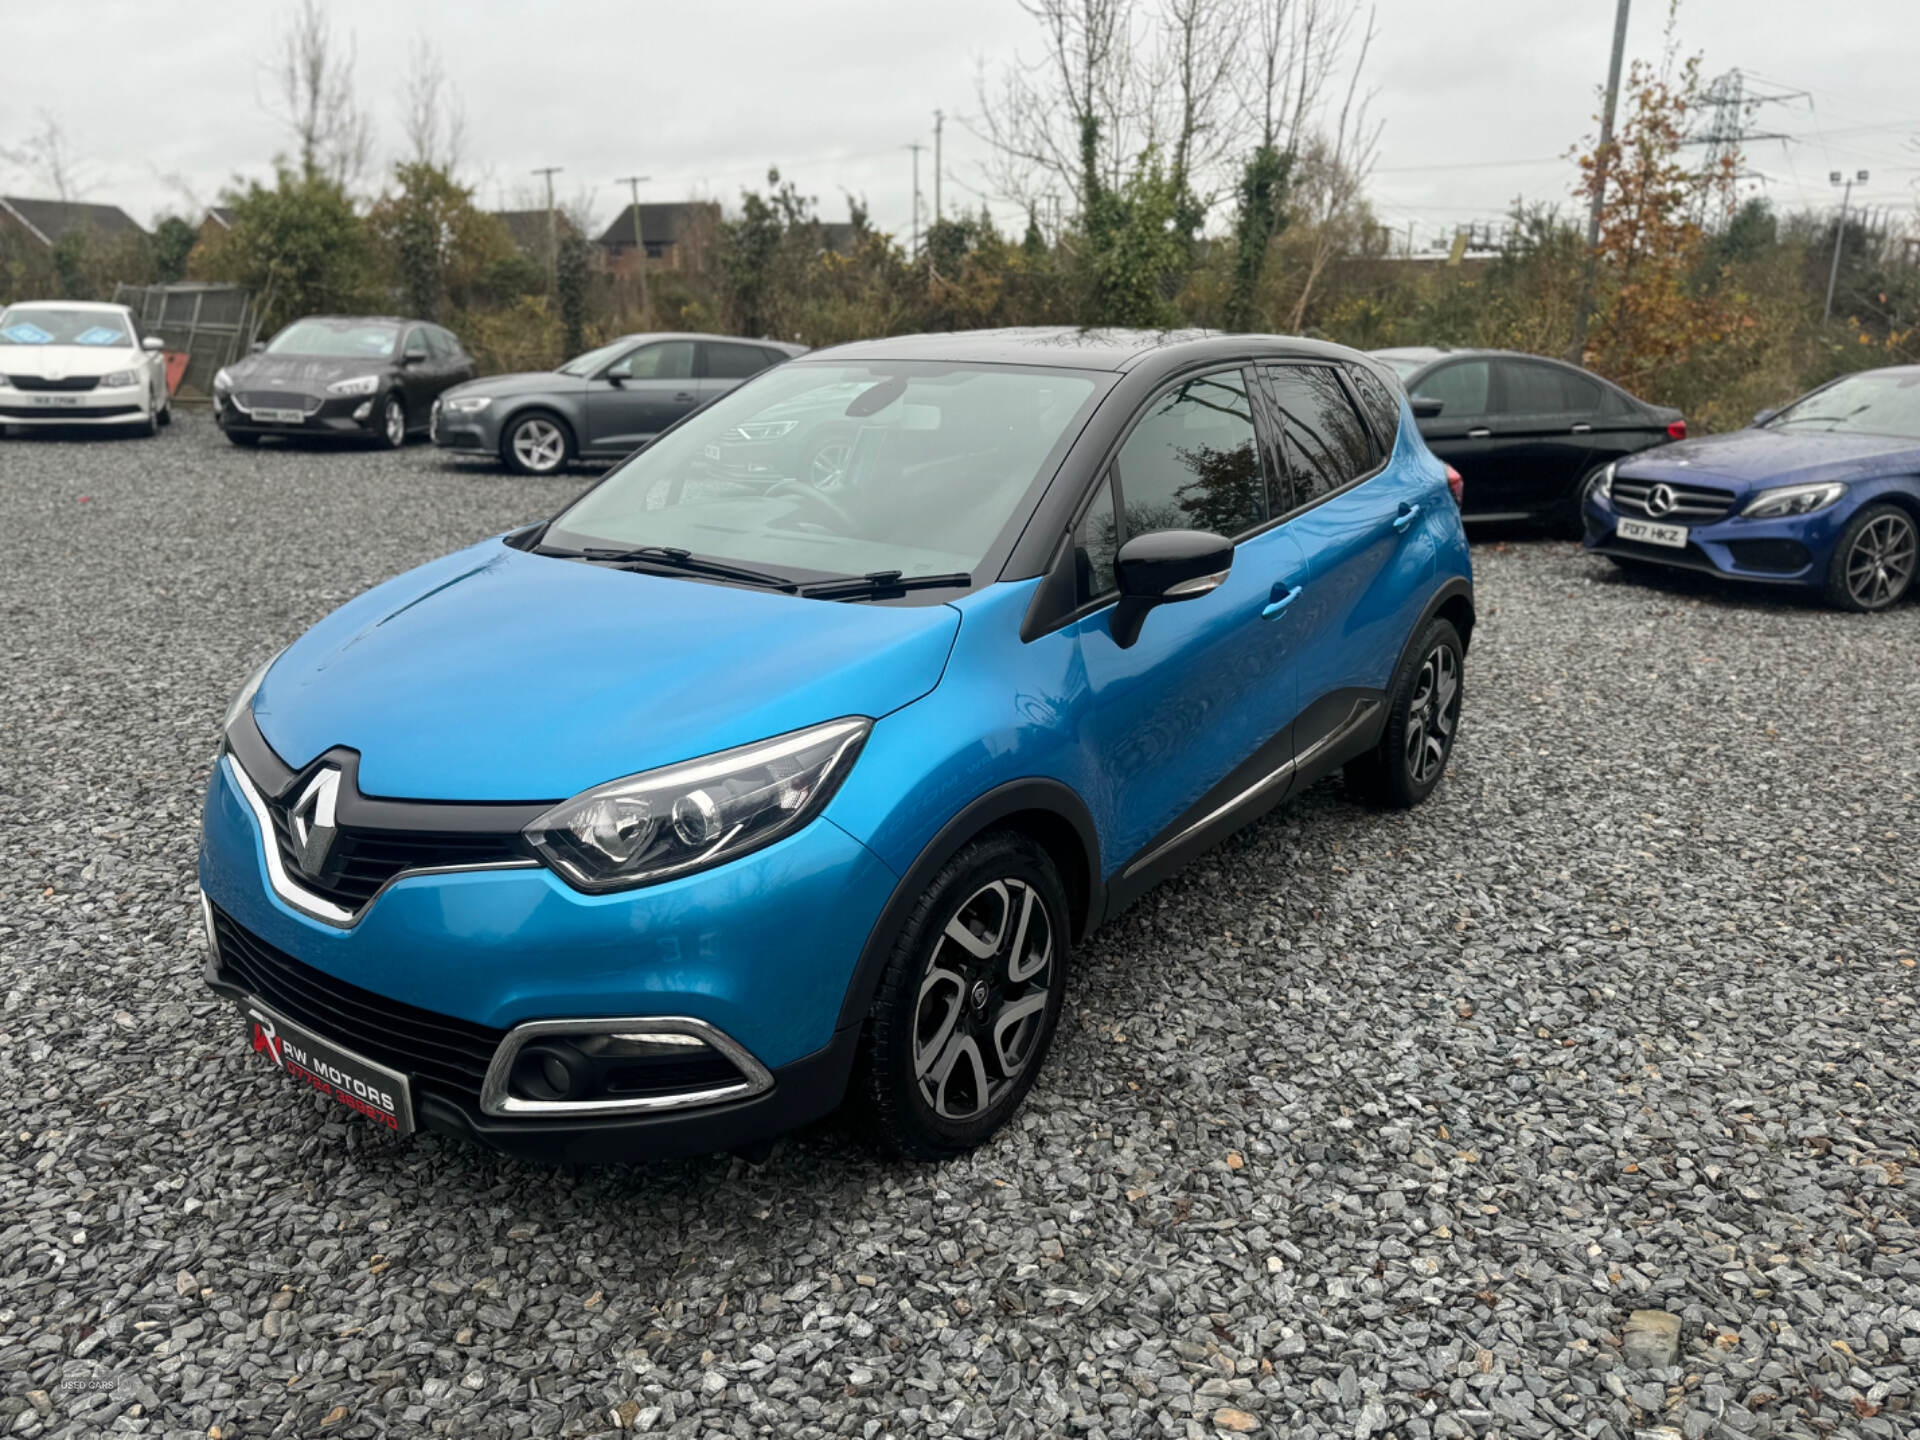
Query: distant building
x,y
532,231
676,234
48,221
215,223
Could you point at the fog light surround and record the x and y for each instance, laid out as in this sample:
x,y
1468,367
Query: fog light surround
x,y
619,1066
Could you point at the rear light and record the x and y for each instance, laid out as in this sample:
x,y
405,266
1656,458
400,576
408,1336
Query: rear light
x,y
1677,430
1458,487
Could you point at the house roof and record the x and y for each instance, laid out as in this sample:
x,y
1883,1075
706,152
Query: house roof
x,y
221,215
49,220
659,224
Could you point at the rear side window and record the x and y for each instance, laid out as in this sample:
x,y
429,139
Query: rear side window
x,y
734,362
1461,388
1582,395
1193,461
1382,406
1096,540
1325,444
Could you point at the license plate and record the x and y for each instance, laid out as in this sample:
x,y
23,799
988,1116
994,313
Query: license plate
x,y
376,1092
56,402
1674,536
281,417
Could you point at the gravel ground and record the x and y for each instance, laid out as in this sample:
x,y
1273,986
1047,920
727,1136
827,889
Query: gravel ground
x,y
1369,1125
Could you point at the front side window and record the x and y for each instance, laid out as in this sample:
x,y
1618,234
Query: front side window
x,y
935,464
590,363
1461,388
58,325
417,343
336,340
669,360
1096,540
1325,444
1193,461
734,362
1876,403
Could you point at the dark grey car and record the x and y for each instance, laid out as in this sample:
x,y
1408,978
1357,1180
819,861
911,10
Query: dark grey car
x,y
604,404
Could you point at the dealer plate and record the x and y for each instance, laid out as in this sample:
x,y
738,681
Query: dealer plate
x,y
380,1094
281,417
1648,533
57,402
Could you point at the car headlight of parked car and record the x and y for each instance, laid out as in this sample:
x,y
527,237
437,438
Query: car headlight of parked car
x,y
359,385
466,404
247,691
685,817
1604,486
1793,500
113,379
222,381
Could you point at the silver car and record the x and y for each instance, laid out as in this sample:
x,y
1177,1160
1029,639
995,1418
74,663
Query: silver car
x,y
604,404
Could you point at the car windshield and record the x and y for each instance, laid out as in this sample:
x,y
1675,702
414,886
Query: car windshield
x,y
591,361
819,469
59,325
336,339
1885,402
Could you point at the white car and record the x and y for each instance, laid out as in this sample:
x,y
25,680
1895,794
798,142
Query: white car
x,y
78,362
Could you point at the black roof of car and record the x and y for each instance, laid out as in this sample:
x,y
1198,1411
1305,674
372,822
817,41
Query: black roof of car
x,y
1077,349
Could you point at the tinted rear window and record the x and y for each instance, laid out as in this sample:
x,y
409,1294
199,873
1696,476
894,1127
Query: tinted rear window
x,y
1382,405
735,362
1325,443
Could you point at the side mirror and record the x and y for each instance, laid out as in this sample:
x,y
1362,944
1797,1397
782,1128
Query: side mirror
x,y
258,347
414,357
153,344
1425,409
1760,417
1163,568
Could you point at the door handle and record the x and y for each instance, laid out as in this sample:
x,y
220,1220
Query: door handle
x,y
1278,600
1583,429
1479,432
1408,514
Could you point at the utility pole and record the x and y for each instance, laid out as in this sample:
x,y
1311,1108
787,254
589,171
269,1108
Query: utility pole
x,y
916,147
1839,234
553,229
633,184
1602,160
938,121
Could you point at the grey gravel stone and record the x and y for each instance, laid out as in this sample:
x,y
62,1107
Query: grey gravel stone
x,y
1624,1018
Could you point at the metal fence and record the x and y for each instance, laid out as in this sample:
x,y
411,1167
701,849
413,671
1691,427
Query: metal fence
x,y
213,325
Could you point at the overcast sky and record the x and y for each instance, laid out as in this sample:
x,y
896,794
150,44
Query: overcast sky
x,y
1481,99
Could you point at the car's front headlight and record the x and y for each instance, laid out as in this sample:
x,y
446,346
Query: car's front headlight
x,y
1604,487
247,692
466,404
1793,500
686,817
113,379
222,380
359,385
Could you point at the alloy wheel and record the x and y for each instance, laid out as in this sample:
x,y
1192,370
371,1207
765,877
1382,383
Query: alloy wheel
x,y
1433,713
1881,563
981,1009
396,420
829,464
539,445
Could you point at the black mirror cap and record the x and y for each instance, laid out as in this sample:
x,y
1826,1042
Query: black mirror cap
x,y
414,357
1425,409
1162,568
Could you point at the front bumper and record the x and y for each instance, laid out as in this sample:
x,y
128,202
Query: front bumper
x,y
476,432
1791,551
122,405
352,416
761,949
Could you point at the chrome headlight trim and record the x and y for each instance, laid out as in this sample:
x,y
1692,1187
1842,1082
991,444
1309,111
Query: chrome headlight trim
x,y
358,385
496,1099
1784,501
466,404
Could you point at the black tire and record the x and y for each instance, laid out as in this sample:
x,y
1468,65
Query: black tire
x,y
920,1025
527,444
165,417
392,434
1873,564
1423,720
243,439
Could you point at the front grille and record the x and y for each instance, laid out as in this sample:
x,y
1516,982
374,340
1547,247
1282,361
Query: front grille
x,y
1692,504
437,1051
40,382
276,400
65,412
361,861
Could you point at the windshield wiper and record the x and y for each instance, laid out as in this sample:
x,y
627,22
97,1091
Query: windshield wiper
x,y
881,582
672,558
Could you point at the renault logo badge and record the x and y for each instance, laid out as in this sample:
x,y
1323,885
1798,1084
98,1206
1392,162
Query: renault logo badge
x,y
1660,500
311,820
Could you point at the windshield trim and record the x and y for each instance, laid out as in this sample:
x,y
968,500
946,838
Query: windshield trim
x,y
987,571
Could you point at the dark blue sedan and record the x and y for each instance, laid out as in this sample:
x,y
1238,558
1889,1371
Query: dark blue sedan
x,y
1823,495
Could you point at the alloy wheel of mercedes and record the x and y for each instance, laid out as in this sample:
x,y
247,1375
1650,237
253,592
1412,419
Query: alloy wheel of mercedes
x,y
1873,565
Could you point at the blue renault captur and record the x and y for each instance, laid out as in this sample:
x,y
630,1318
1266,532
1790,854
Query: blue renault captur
x,y
1821,495
742,788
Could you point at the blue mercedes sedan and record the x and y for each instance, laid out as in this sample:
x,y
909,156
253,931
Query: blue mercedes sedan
x,y
1823,495
721,798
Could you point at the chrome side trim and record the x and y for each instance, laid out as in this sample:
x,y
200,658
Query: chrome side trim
x,y
1263,786
211,969
755,1079
318,907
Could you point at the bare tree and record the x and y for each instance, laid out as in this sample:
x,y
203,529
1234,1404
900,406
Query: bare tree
x,y
313,78
1192,75
432,115
47,158
1337,177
